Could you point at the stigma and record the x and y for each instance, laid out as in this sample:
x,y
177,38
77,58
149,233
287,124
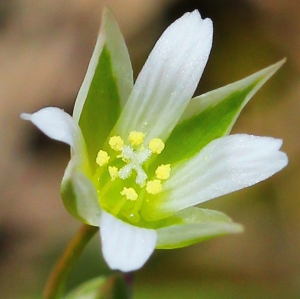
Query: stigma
x,y
135,154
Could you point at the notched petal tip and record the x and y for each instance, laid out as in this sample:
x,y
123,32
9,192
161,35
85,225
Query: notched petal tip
x,y
194,16
125,247
283,159
55,123
26,116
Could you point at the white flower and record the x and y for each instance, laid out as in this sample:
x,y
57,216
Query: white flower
x,y
142,156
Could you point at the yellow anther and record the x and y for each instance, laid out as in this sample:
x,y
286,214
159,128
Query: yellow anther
x,y
129,193
123,158
102,158
163,171
113,172
154,187
156,145
116,143
136,138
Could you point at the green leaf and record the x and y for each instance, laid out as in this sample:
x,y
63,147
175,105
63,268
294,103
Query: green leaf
x,y
198,225
105,88
113,287
211,116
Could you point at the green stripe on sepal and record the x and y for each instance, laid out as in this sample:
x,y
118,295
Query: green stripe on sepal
x,y
211,116
79,195
198,225
106,86
69,198
101,108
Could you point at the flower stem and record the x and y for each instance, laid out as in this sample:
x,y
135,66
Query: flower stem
x,y
55,286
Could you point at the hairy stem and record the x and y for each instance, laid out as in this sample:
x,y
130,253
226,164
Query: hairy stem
x,y
55,286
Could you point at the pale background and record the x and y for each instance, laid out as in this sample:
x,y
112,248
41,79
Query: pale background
x,y
45,46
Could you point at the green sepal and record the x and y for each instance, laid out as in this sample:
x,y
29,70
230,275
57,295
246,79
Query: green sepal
x,y
102,288
106,87
79,194
197,225
211,116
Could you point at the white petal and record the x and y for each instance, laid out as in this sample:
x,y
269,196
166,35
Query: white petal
x,y
58,125
78,193
168,79
225,165
125,247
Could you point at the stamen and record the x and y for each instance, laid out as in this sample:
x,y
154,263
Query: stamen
x,y
154,187
113,172
163,171
136,138
116,143
133,154
129,193
156,145
102,158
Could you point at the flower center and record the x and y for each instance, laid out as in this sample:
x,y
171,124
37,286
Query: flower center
x,y
122,176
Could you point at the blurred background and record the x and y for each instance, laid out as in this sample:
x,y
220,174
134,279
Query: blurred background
x,y
45,46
